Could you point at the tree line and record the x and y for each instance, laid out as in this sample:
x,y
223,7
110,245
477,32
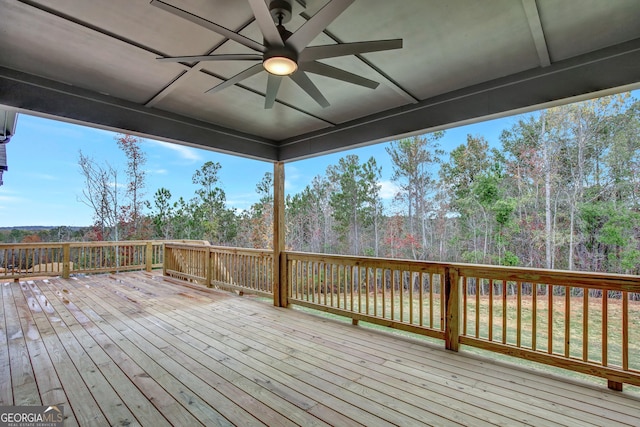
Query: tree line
x,y
562,191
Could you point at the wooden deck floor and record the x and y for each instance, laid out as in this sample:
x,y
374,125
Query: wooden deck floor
x,y
133,349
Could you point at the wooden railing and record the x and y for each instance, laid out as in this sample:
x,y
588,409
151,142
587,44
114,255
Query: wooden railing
x,y
400,294
242,270
586,322
592,327
20,260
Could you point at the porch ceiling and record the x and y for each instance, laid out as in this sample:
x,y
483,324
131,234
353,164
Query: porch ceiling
x,y
95,63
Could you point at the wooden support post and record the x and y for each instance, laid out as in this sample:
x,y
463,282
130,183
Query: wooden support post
x,y
66,260
280,295
614,385
354,322
148,256
452,304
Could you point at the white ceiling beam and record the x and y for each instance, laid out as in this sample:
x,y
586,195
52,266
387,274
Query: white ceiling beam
x,y
533,17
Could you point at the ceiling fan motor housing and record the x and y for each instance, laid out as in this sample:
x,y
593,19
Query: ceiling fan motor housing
x,y
280,11
284,51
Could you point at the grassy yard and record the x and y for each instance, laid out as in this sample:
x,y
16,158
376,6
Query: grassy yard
x,y
408,309
614,336
574,323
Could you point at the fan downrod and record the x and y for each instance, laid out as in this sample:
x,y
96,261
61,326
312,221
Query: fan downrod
x,y
280,11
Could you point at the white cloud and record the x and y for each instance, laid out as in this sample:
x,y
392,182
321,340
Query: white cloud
x,y
388,190
242,201
44,176
158,171
291,178
184,152
10,199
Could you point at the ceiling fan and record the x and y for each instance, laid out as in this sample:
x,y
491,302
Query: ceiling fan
x,y
285,54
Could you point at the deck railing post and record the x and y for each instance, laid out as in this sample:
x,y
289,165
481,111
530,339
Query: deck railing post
x,y
148,256
208,268
615,385
452,304
284,280
66,260
164,259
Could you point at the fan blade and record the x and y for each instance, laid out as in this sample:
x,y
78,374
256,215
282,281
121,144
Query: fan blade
x,y
265,22
335,50
307,85
273,84
338,74
237,78
224,57
318,22
252,44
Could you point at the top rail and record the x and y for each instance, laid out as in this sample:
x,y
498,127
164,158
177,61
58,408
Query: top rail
x,y
21,260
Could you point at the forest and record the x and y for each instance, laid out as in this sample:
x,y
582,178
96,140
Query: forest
x,y
560,190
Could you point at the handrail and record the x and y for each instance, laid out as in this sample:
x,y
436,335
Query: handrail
x,y
237,269
22,260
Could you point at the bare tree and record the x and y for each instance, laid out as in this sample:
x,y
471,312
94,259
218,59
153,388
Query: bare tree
x,y
131,214
100,193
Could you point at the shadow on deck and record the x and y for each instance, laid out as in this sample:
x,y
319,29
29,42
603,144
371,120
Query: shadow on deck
x,y
136,349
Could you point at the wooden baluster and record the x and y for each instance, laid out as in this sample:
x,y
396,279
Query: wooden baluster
x,y
519,315
431,298
421,299
550,318
478,288
585,324
625,331
490,332
209,255
504,312
412,276
534,315
605,327
464,305
567,320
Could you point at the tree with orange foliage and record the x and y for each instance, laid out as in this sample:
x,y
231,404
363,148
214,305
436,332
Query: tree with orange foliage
x,y
31,238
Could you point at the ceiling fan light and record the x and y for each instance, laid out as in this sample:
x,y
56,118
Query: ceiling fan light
x,y
280,65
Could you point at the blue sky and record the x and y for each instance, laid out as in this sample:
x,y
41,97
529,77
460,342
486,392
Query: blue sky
x,y
43,184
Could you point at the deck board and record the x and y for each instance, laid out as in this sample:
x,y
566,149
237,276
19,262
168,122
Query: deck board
x,y
49,385
25,388
134,349
6,389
